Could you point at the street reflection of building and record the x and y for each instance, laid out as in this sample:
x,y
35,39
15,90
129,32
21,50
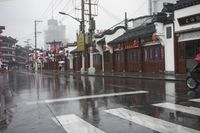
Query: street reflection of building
x,y
174,91
90,108
5,98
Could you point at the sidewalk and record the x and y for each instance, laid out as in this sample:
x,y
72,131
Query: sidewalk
x,y
134,75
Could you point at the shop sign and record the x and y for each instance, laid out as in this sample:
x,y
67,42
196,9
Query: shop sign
x,y
189,20
135,44
80,42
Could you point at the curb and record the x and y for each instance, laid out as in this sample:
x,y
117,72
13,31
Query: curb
x,y
120,76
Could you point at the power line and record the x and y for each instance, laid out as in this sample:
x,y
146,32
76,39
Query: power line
x,y
71,10
64,7
56,6
108,12
46,10
30,34
139,8
51,8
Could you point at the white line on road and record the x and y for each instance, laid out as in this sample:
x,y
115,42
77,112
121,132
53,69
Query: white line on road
x,y
185,109
195,100
73,124
88,97
150,122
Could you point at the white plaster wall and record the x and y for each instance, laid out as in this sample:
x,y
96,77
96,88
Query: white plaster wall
x,y
70,57
99,47
183,13
169,51
168,46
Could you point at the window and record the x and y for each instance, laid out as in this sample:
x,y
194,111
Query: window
x,y
153,54
169,32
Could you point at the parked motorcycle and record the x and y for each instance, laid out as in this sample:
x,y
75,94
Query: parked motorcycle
x,y
193,80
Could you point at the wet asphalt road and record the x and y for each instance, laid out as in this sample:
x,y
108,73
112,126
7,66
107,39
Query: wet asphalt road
x,y
23,95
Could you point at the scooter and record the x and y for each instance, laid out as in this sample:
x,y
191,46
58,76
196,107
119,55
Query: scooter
x,y
193,80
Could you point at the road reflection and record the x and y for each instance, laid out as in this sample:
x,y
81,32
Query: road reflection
x,y
25,87
6,97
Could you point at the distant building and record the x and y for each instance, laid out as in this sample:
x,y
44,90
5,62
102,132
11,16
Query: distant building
x,y
7,51
22,56
55,32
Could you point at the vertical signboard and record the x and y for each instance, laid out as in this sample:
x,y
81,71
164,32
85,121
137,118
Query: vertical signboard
x,y
80,42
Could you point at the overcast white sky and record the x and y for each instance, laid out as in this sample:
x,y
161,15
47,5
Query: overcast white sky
x,y
18,16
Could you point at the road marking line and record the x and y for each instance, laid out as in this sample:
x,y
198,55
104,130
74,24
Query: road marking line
x,y
150,122
185,109
73,124
35,102
195,100
87,97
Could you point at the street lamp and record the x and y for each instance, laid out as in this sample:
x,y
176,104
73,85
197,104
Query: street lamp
x,y
82,30
63,13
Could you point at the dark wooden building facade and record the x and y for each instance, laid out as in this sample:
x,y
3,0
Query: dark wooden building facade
x,y
138,51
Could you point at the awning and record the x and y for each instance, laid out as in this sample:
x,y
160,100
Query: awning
x,y
183,37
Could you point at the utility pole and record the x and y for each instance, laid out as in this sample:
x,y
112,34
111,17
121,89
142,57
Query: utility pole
x,y
27,43
28,48
82,29
35,22
91,33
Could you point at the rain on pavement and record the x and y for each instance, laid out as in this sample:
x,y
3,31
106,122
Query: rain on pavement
x,y
53,103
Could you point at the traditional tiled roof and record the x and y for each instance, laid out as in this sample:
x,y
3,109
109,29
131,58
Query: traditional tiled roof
x,y
163,18
109,31
101,41
8,39
142,17
185,3
168,7
2,27
132,34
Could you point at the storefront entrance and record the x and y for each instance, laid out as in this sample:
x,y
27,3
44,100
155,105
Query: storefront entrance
x,y
186,54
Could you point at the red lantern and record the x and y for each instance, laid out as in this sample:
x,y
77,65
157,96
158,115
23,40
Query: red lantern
x,y
154,37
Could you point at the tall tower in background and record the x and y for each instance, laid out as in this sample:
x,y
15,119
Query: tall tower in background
x,y
55,32
156,6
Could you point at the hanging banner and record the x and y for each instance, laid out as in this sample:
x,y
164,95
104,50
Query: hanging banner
x,y
80,42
